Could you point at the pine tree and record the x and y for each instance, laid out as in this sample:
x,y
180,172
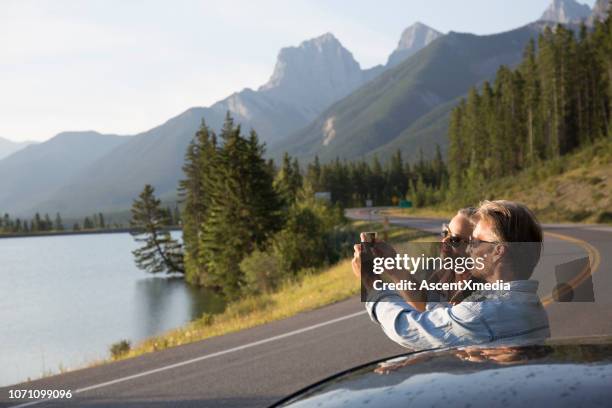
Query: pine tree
x,y
313,174
195,199
47,225
529,69
159,252
101,221
88,224
397,180
176,215
377,182
58,225
243,209
288,180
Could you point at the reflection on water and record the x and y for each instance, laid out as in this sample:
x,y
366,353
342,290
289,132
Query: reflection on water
x,y
157,300
65,299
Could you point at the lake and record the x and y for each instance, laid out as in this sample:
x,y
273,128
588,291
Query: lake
x,y
65,299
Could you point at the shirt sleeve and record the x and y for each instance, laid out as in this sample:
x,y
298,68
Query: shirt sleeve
x,y
441,325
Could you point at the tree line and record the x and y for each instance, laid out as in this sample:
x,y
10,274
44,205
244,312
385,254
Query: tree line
x,y
558,99
19,225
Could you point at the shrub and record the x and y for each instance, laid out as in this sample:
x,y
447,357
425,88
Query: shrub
x,y
120,349
261,272
301,243
605,217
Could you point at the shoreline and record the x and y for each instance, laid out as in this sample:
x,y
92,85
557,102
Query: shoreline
x,y
85,232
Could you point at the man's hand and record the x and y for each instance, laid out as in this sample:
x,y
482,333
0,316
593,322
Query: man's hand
x,y
356,263
380,249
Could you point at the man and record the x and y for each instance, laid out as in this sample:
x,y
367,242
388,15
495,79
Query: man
x,y
508,239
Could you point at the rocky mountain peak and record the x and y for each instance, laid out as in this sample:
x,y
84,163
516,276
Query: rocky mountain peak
x,y
566,11
412,40
600,10
317,72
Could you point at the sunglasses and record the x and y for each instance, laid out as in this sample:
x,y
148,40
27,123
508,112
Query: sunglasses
x,y
474,242
453,240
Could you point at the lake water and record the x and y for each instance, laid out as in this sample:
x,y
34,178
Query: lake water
x,y
65,299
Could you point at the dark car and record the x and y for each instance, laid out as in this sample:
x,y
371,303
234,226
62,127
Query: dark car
x,y
571,373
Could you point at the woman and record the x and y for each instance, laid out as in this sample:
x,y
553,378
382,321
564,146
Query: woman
x,y
455,236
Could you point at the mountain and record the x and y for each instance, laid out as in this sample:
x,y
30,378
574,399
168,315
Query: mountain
x,y
600,11
113,180
8,147
306,80
413,39
35,171
566,11
384,109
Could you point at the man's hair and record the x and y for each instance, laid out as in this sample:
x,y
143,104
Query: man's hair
x,y
468,212
514,223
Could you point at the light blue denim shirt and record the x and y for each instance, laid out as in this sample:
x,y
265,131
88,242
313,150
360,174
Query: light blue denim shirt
x,y
514,315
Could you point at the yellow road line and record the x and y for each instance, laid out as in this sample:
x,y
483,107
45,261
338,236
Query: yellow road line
x,y
594,257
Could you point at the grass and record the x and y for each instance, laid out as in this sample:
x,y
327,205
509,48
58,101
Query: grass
x,y
419,212
311,291
574,188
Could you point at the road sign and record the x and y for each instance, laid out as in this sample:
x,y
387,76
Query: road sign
x,y
405,204
323,195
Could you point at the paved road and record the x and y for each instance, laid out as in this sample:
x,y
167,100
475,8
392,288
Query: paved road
x,y
255,367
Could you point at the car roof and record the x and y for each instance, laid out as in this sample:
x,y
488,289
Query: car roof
x,y
566,372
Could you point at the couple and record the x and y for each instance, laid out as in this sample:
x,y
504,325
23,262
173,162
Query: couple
x,y
508,238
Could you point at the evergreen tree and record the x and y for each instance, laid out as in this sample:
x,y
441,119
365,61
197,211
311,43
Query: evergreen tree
x,y
194,197
288,180
243,208
377,183
101,221
159,252
313,175
176,215
37,223
397,180
58,225
88,224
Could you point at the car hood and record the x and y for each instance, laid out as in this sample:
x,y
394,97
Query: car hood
x,y
570,373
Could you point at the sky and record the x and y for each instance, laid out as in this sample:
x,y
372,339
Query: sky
x,y
125,66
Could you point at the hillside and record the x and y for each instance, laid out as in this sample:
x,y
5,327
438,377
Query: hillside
x,y
40,169
575,188
384,109
8,147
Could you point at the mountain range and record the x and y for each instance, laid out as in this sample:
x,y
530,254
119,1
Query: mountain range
x,y
8,147
306,79
318,101
36,170
395,110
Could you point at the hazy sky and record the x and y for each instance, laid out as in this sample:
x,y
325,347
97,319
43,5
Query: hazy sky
x,y
122,66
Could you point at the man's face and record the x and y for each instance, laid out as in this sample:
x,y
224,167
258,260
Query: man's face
x,y
483,246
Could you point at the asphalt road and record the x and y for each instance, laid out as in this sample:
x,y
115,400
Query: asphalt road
x,y
256,367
